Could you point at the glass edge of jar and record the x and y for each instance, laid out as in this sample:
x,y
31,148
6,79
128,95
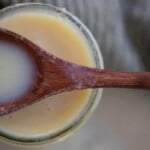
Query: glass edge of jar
x,y
60,135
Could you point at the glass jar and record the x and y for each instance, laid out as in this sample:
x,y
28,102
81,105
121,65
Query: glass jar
x,y
95,94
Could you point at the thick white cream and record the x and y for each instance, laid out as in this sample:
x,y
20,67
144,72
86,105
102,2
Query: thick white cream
x,y
16,72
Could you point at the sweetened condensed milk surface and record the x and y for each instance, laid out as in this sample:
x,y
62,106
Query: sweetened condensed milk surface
x,y
60,38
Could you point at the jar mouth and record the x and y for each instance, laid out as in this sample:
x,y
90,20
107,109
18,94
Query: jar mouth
x,y
95,95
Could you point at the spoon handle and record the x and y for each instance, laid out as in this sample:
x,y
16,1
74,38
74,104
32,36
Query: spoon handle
x,y
94,78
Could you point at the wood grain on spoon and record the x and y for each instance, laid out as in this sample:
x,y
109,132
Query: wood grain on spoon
x,y
54,75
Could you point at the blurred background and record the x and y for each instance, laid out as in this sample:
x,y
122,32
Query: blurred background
x,y
122,30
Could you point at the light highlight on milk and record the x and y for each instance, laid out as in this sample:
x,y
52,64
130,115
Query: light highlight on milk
x,y
16,72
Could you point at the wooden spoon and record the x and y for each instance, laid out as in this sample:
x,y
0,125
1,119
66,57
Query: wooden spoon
x,y
54,75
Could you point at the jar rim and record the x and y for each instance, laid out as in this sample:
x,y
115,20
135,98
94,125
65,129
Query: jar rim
x,y
96,93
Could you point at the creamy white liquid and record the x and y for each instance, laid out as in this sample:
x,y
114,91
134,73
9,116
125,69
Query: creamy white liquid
x,y
16,72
